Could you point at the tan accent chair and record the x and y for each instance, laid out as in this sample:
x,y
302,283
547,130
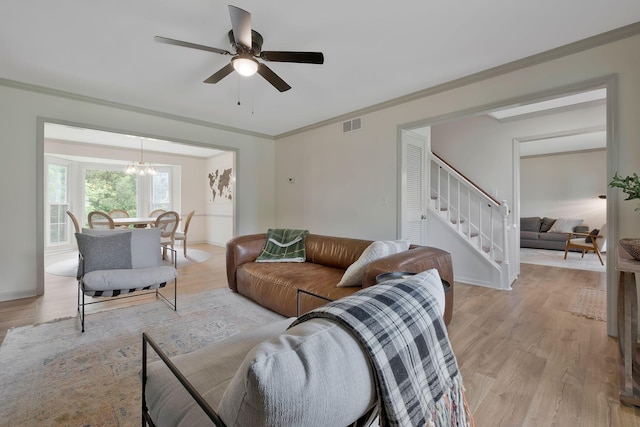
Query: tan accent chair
x,y
182,235
167,222
100,220
596,244
76,225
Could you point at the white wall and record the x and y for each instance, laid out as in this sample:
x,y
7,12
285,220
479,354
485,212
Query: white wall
x,y
341,179
22,262
565,185
482,148
219,211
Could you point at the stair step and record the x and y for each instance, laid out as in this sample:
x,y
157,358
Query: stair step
x,y
455,221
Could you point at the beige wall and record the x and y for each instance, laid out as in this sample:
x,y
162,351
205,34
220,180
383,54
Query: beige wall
x,y
565,185
343,179
470,144
22,263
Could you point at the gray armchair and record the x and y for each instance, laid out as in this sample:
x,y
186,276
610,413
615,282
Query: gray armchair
x,y
114,263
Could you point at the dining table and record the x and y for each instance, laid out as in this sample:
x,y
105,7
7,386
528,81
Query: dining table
x,y
137,222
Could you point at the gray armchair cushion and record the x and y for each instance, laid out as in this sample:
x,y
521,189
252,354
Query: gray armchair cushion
x,y
106,252
127,280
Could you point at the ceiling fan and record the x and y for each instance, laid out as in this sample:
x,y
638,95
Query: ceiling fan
x,y
247,44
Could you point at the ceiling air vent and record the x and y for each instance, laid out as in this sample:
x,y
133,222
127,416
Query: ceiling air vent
x,y
351,125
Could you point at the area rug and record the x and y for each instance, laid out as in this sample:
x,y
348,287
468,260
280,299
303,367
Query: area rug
x,y
68,267
552,258
54,375
590,303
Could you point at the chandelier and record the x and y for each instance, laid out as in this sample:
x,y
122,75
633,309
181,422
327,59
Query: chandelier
x,y
140,168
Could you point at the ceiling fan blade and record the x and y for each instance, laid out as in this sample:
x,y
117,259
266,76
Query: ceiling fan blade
x,y
191,45
241,25
301,57
273,78
220,74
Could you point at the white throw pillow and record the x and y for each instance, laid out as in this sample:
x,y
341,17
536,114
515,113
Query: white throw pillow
x,y
314,374
376,250
564,225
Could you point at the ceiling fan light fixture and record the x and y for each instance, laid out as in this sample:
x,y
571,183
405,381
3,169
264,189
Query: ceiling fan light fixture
x,y
245,66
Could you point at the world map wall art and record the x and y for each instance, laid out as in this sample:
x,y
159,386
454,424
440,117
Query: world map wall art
x,y
221,184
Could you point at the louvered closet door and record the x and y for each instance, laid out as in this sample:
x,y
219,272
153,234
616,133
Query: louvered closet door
x,y
414,185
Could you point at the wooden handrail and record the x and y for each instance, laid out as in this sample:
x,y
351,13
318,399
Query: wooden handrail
x,y
470,182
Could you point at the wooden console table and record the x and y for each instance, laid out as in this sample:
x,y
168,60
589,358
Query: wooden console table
x,y
629,369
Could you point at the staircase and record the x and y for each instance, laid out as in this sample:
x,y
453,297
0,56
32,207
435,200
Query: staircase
x,y
474,220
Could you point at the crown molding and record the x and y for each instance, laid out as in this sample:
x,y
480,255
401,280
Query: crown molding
x,y
549,55
88,99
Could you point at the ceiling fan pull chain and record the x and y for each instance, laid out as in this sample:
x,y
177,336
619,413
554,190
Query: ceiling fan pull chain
x,y
253,93
238,80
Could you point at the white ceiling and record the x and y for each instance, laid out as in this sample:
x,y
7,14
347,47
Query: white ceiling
x,y
374,52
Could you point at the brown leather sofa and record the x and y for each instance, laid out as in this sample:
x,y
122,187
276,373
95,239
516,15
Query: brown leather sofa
x,y
275,285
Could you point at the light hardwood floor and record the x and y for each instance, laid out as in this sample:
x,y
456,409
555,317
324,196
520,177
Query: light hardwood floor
x,y
525,359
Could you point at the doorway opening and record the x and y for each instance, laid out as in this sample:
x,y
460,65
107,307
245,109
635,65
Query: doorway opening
x,y
453,138
84,170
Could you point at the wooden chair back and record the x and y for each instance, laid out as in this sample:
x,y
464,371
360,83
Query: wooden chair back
x,y
100,220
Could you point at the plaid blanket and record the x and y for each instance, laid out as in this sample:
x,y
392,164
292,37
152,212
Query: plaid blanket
x,y
284,245
417,376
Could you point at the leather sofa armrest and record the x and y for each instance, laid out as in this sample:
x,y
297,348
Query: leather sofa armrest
x,y
240,250
415,260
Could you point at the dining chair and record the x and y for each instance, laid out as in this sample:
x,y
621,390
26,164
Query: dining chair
x,y
76,225
119,213
100,220
154,214
167,222
182,235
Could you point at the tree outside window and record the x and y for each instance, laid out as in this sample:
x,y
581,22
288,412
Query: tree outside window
x,y
107,190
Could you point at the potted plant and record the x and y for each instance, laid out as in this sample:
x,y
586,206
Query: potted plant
x,y
630,185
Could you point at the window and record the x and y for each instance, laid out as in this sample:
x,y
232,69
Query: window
x,y
57,203
160,191
105,190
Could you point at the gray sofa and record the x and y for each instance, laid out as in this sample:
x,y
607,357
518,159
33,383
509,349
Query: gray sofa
x,y
535,233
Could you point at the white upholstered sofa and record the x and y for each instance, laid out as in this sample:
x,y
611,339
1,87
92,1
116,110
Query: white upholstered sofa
x,y
313,374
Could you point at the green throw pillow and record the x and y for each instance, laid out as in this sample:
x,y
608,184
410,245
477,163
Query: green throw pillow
x,y
284,245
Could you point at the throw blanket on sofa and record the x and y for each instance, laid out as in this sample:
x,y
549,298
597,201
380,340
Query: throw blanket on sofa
x,y
417,376
284,245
